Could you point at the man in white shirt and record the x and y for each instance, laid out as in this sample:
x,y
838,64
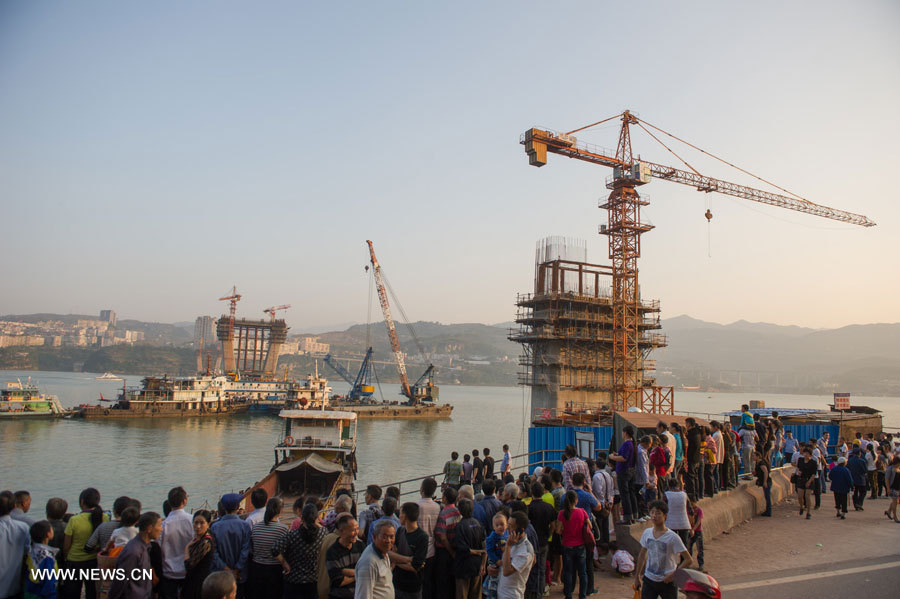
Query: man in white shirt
x,y
720,453
373,570
14,543
258,499
518,558
662,552
177,532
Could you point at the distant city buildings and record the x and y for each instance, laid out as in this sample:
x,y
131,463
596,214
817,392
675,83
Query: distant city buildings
x,y
101,332
311,346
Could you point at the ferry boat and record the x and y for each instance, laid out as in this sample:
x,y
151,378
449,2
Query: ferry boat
x,y
20,400
164,397
316,456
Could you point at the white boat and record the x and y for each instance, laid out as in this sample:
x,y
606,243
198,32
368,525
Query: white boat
x,y
108,376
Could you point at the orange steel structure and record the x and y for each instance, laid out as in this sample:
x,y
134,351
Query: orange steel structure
x,y
271,311
624,229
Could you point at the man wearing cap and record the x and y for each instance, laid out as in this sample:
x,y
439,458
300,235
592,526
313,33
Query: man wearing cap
x,y
841,484
232,537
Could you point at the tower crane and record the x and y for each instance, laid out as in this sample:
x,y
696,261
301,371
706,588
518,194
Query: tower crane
x,y
624,227
234,298
424,389
271,311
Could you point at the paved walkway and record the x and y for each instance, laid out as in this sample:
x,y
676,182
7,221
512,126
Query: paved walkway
x,y
789,556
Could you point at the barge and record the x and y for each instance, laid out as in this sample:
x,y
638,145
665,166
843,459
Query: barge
x,y
164,397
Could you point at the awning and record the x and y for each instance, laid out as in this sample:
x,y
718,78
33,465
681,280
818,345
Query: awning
x,y
314,461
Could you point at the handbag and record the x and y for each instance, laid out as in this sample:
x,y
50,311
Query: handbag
x,y
587,537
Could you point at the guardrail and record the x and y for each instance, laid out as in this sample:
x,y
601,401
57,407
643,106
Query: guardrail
x,y
414,484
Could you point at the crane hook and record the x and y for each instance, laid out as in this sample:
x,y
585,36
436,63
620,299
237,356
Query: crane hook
x,y
708,215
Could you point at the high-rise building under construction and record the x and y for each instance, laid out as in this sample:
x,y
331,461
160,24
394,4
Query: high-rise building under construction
x,y
566,330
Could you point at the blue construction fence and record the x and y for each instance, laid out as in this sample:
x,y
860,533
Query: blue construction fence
x,y
805,432
546,443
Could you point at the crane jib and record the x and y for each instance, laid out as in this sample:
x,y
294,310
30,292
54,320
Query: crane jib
x,y
538,142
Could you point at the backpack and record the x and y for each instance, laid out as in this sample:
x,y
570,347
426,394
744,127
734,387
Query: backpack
x,y
373,513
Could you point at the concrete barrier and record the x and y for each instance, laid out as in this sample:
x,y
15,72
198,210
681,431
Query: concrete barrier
x,y
722,512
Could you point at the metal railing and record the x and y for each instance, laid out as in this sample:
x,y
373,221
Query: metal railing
x,y
417,481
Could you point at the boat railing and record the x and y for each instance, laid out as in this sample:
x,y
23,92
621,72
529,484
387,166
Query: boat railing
x,y
525,463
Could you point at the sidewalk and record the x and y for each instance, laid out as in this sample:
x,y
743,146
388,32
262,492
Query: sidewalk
x,y
768,548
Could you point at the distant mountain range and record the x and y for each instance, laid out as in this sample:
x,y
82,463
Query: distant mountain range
x,y
862,359
741,356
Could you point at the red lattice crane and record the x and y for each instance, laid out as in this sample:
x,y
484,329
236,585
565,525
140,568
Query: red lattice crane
x,y
234,298
271,311
389,323
624,227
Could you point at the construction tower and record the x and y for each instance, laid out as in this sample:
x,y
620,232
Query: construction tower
x,y
567,330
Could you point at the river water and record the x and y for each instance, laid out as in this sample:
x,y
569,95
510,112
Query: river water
x,y
143,458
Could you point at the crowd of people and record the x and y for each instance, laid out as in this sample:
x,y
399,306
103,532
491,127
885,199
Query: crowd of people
x,y
480,533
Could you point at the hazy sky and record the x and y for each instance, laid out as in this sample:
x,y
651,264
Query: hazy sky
x,y
153,154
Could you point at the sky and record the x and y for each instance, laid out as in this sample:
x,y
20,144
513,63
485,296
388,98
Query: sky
x,y
153,155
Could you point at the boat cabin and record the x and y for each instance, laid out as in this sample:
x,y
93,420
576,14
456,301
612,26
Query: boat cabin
x,y
316,454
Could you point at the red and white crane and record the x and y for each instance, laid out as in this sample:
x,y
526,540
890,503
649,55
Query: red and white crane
x,y
420,391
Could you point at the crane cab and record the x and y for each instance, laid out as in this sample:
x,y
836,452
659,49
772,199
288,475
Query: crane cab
x,y
639,173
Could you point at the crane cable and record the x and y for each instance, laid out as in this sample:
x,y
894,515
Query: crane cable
x,y
369,311
746,172
594,124
408,324
696,172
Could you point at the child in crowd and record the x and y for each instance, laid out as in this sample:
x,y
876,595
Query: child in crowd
x,y
126,531
662,553
41,557
621,561
695,514
677,519
494,544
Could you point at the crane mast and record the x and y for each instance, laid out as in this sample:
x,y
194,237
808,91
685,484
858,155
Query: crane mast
x,y
389,324
624,229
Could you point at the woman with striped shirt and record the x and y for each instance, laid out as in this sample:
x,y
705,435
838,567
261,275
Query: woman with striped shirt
x,y
266,579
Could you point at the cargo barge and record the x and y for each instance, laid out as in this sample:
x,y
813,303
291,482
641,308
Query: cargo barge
x,y
164,397
395,411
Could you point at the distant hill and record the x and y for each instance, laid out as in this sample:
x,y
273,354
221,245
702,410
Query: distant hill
x,y
467,340
864,359
741,356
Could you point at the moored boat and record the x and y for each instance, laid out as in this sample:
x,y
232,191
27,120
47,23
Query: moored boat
x,y
272,396
20,400
164,397
316,456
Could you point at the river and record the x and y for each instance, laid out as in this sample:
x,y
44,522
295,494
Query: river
x,y
143,458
